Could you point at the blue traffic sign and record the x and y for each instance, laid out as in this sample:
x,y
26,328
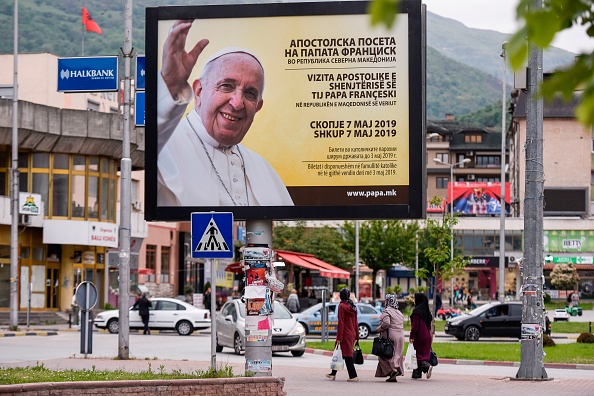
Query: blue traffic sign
x,y
139,103
88,74
212,235
140,72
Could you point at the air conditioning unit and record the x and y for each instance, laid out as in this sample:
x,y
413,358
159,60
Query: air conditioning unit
x,y
470,177
469,153
513,259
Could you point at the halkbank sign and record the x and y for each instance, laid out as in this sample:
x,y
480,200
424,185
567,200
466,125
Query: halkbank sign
x,y
88,74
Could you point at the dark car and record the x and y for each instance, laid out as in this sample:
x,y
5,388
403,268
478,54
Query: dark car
x,y
490,320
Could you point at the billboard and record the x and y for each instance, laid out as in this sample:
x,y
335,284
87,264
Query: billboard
x,y
478,198
305,111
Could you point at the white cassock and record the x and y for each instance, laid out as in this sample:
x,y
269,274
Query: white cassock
x,y
194,170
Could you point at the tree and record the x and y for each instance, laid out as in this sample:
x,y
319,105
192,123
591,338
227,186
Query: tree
x,y
326,243
564,277
383,243
540,27
437,236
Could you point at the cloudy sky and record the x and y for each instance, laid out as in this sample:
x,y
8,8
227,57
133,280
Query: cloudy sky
x,y
500,15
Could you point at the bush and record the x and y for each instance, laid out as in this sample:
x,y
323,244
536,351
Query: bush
x,y
547,298
586,338
547,341
341,286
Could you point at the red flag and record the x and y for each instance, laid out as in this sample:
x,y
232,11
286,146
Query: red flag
x,y
89,23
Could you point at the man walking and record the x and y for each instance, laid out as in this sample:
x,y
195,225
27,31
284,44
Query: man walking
x,y
143,305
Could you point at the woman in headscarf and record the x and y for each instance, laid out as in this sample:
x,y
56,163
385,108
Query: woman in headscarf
x,y
392,323
420,335
347,334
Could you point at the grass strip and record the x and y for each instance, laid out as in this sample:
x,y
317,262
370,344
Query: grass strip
x,y
499,352
39,373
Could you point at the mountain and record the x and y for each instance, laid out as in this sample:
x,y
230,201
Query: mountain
x,y
464,67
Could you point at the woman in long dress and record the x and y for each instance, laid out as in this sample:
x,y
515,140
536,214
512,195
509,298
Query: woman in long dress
x,y
393,322
420,335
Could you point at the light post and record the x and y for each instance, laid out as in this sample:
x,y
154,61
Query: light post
x,y
502,195
451,194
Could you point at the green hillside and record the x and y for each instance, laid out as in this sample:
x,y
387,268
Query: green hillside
x,y
464,68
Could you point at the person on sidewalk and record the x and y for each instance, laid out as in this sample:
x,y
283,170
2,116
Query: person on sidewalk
x,y
420,335
143,304
393,322
347,334
75,310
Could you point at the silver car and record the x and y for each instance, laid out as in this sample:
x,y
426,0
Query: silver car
x,y
288,335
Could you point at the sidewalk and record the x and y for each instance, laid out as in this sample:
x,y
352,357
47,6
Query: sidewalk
x,y
310,380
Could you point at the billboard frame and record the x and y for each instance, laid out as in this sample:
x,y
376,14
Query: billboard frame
x,y
413,209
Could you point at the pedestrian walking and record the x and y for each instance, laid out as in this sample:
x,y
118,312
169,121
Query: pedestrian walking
x,y
393,323
347,334
75,310
420,335
143,304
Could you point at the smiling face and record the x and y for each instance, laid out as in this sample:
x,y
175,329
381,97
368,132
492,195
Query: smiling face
x,y
228,96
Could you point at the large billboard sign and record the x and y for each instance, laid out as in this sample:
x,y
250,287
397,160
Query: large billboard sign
x,y
478,198
284,111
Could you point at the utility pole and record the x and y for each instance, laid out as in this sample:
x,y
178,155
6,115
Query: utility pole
x,y
126,197
531,268
502,195
14,183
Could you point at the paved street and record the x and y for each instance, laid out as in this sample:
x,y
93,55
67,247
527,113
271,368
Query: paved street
x,y
303,375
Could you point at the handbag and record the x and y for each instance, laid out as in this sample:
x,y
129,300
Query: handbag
x,y
357,354
337,362
433,359
383,347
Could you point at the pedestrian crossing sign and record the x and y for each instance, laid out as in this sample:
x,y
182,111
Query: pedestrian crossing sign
x,y
212,235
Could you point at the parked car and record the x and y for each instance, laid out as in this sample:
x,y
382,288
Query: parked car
x,y
287,334
490,320
448,313
561,314
311,319
166,314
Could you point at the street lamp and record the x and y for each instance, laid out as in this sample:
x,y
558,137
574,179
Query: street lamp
x,y
464,161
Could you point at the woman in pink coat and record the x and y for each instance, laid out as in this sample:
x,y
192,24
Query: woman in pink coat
x,y
392,323
347,334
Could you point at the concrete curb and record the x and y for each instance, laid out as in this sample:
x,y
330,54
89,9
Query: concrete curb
x,y
462,362
28,333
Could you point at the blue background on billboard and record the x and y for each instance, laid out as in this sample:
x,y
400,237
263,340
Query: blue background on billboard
x,y
140,71
139,103
84,65
200,225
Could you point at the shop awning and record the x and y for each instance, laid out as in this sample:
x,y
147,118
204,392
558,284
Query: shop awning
x,y
146,271
329,271
310,262
235,267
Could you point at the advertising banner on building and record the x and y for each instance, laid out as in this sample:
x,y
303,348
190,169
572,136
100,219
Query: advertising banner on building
x,y
315,114
478,198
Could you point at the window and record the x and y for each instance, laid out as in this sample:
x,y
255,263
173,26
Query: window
x,y
488,161
442,182
92,106
151,258
443,157
473,138
165,254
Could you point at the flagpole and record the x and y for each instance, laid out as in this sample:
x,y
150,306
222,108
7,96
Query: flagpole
x,y
83,39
